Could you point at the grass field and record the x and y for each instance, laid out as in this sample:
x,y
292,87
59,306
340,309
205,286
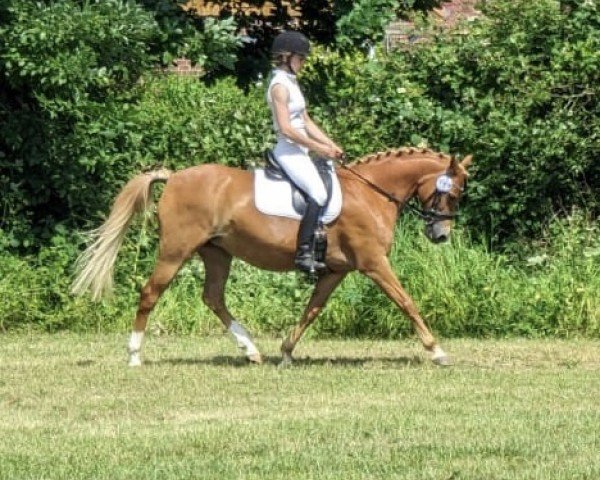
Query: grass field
x,y
70,408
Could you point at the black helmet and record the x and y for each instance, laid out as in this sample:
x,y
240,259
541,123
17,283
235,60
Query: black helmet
x,y
290,42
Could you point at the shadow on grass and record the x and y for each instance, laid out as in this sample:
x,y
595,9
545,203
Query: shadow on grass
x,y
239,361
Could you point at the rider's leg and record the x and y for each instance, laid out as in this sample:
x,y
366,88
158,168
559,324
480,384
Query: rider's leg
x,y
302,171
305,259
300,168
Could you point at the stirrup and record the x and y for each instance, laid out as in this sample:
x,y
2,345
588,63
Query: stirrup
x,y
306,262
310,266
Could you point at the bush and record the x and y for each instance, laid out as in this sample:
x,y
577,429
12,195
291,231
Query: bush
x,y
519,92
365,22
526,81
35,294
70,76
183,123
461,289
62,64
177,122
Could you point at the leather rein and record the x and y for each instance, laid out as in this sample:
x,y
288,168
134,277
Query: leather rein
x,y
430,215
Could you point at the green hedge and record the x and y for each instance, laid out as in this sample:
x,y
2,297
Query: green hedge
x,y
70,86
462,289
519,91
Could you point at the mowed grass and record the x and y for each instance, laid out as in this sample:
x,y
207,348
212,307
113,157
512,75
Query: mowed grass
x,y
70,408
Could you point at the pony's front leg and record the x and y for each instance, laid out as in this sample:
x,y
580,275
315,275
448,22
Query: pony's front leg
x,y
325,285
382,274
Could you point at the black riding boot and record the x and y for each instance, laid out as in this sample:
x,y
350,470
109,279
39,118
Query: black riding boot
x,y
305,259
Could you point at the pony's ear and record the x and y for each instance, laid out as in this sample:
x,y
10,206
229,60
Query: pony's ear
x,y
467,161
453,168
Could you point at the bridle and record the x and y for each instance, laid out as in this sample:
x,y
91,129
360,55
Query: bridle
x,y
430,215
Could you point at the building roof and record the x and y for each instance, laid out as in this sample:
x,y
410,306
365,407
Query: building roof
x,y
452,12
448,15
213,9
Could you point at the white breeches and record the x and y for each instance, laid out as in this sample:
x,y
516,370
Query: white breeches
x,y
297,164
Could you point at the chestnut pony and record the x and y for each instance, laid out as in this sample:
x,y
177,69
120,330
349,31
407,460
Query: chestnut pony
x,y
209,210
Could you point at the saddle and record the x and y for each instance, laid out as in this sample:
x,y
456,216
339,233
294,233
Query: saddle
x,y
275,194
274,172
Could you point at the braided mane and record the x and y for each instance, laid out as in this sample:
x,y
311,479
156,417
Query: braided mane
x,y
406,152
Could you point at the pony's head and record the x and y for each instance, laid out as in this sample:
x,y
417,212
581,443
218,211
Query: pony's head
x,y
439,194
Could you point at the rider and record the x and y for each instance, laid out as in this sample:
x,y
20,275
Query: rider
x,y
297,134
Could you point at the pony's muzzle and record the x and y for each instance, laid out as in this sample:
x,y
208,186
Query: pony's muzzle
x,y
438,232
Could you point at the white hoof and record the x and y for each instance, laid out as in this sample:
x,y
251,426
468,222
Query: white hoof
x,y
286,360
244,342
440,358
134,347
255,358
134,360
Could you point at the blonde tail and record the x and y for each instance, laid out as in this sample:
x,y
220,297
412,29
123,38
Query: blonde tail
x,y
94,267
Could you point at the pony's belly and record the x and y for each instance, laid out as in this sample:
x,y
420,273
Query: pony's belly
x,y
267,256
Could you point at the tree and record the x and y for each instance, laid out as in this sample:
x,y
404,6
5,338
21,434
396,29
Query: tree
x,y
64,67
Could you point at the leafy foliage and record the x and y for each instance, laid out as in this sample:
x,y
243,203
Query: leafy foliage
x,y
365,22
70,75
209,43
519,92
461,289
72,53
527,80
181,122
61,65
81,111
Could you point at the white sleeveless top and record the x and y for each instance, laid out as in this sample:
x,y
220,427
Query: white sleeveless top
x,y
296,102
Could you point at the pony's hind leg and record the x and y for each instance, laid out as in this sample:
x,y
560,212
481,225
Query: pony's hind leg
x,y
324,287
164,271
217,263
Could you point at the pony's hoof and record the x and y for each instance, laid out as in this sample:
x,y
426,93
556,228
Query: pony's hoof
x,y
255,358
135,362
286,361
443,361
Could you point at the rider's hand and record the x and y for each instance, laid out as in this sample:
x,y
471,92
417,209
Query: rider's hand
x,y
333,151
339,153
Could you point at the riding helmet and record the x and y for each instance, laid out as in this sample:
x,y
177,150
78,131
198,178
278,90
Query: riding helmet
x,y
290,42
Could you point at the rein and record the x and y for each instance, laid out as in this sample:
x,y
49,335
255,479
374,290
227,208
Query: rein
x,y
381,191
430,215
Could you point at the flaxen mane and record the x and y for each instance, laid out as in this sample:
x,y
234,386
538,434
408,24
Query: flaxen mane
x,y
406,152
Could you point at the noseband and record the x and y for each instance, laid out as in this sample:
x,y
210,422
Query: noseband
x,y
430,215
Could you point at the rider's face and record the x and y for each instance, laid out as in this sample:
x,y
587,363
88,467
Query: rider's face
x,y
297,62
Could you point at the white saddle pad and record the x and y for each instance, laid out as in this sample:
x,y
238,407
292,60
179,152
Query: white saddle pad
x,y
273,197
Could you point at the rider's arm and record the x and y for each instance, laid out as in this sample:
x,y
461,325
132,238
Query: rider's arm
x,y
280,96
315,132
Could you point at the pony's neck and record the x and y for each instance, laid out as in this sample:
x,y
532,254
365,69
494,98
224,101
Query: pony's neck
x,y
399,172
